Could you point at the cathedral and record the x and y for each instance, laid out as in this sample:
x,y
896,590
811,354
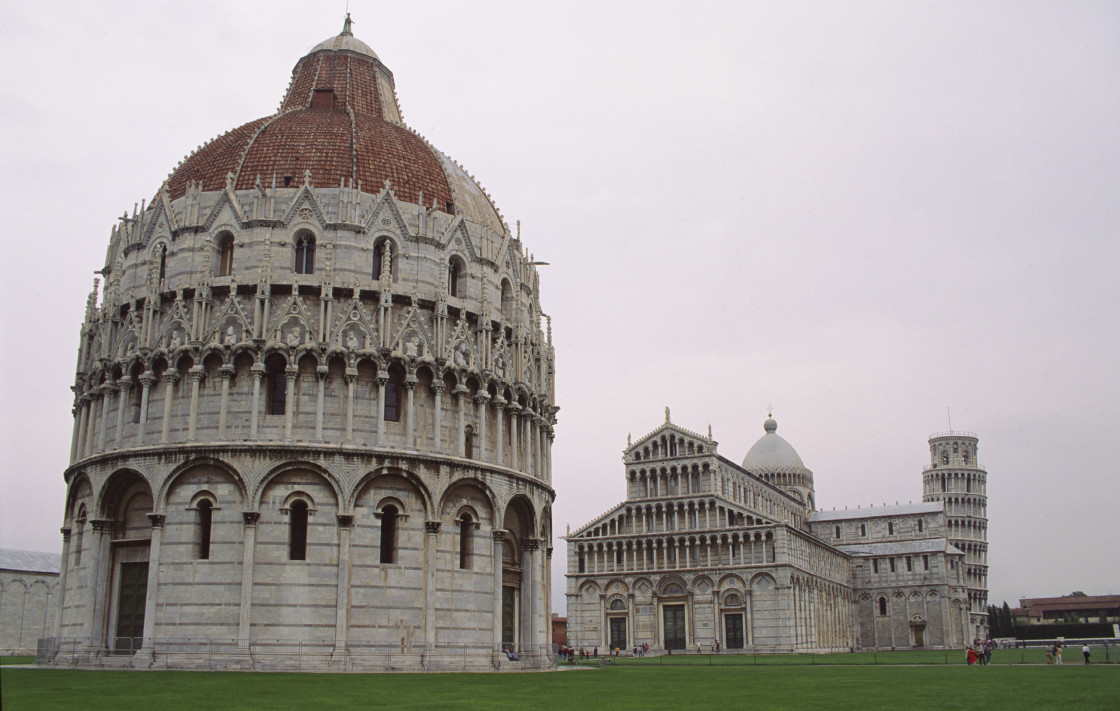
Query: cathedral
x,y
707,554
314,402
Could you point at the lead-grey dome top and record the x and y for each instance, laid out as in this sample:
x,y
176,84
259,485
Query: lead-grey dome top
x,y
772,454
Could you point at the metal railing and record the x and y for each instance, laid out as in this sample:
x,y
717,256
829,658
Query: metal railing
x,y
283,655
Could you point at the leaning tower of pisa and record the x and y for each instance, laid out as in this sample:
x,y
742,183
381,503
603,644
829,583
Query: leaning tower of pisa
x,y
955,477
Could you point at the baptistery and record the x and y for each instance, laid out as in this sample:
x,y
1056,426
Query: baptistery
x,y
314,403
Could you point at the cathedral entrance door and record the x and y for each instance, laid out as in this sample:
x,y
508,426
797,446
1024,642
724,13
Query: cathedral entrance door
x,y
673,621
130,605
733,629
618,632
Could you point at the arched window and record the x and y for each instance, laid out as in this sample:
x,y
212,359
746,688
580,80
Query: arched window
x,y
883,606
393,388
507,300
389,517
465,525
225,255
381,251
454,271
297,531
276,381
205,521
80,531
305,253
162,252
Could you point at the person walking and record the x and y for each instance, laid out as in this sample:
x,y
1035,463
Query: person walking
x,y
1058,653
1086,651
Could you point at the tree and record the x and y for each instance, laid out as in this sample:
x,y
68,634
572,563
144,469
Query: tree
x,y
1076,593
1008,624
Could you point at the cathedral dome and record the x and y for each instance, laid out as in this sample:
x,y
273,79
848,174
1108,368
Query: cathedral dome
x,y
339,124
772,454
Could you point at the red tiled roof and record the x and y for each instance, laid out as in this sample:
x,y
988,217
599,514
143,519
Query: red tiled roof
x,y
334,146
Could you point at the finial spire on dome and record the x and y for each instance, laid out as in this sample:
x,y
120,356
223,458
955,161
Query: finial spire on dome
x,y
346,26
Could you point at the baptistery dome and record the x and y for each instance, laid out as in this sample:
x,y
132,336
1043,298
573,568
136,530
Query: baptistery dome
x,y
315,398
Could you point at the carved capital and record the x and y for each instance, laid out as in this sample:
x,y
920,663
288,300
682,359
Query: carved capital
x,y
499,536
156,519
531,544
432,526
65,531
101,525
226,372
548,552
171,375
250,517
322,371
438,386
345,520
196,372
147,378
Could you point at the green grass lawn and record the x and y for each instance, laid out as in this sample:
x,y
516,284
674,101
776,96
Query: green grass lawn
x,y
798,688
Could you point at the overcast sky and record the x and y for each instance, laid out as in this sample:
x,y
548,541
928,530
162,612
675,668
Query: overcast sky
x,y
867,215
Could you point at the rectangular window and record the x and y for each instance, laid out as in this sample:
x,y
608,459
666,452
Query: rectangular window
x,y
921,527
863,529
909,565
925,562
892,565
890,528
875,564
837,531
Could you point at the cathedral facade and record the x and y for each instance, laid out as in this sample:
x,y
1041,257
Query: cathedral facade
x,y
314,399
707,554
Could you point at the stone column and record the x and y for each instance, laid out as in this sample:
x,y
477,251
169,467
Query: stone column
x,y
63,574
481,398
437,389
321,373
460,399
499,437
123,390
530,551
248,559
410,412
431,564
98,581
258,376
342,602
91,422
103,419
499,536
351,378
527,446
170,378
382,378
290,374
226,373
146,380
76,430
153,579
514,409
195,375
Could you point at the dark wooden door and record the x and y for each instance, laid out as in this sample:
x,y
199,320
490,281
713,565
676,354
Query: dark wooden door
x,y
130,605
733,629
673,620
618,632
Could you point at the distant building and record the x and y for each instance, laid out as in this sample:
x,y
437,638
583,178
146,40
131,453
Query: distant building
x,y
705,552
559,630
28,599
1054,610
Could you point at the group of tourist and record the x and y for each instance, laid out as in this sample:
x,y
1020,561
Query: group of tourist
x,y
980,652
569,654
